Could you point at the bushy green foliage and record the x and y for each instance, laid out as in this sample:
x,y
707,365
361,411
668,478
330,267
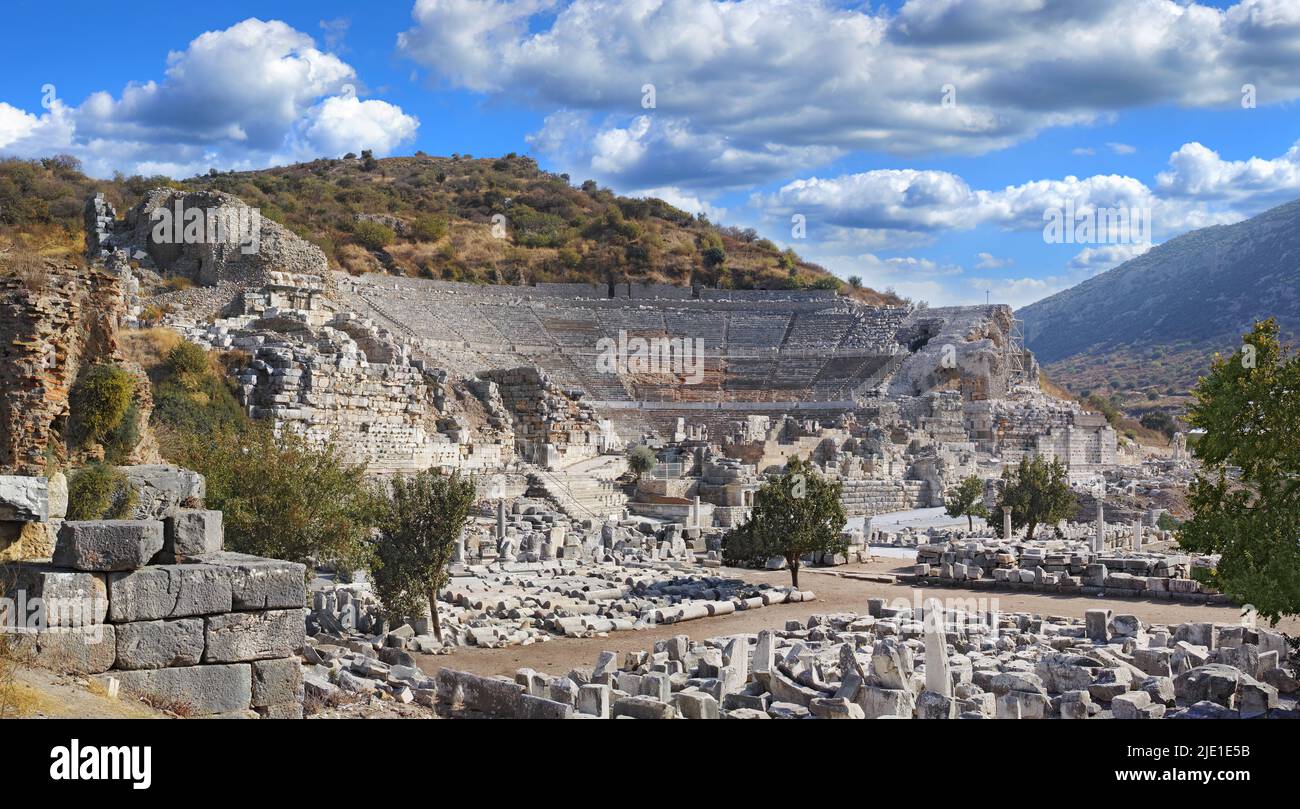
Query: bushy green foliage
x,y
795,514
641,459
372,235
99,401
429,227
967,500
1159,421
281,497
1038,493
100,492
420,518
1246,499
190,397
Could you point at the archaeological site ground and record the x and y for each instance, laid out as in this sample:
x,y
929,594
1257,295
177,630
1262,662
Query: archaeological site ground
x,y
301,422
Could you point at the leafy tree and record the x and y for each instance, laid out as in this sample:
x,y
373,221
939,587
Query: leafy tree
x,y
641,459
1037,491
1249,407
429,227
1160,421
418,526
795,514
855,281
282,497
967,500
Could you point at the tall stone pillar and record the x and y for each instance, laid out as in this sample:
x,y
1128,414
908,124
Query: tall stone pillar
x,y
501,519
938,673
1099,534
1137,535
697,511
1006,523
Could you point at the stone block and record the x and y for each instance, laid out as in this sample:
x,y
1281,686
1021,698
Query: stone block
x,y
159,644
193,690
83,650
67,598
161,490
169,591
643,707
262,584
190,533
242,636
593,700
531,707
108,545
696,705
24,499
277,683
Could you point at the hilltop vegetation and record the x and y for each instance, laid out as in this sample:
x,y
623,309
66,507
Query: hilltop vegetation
x,y
482,220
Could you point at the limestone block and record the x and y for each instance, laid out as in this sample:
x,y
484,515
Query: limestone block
x,y
643,707
191,533
159,644
169,591
278,685
262,584
242,636
197,690
83,650
108,545
24,499
67,598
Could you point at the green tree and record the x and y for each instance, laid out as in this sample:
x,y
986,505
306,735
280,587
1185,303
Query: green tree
x,y
419,524
1249,407
641,459
967,500
795,514
282,497
1038,492
429,227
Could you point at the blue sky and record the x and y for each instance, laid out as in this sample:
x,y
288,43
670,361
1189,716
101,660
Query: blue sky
x,y
922,143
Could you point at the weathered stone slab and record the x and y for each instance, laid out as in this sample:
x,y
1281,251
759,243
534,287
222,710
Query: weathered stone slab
x,y
642,707
159,644
462,690
24,499
83,650
262,584
66,598
192,533
198,690
169,591
161,489
278,687
241,636
108,545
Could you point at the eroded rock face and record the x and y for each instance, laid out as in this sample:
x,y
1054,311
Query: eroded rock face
x,y
50,334
208,236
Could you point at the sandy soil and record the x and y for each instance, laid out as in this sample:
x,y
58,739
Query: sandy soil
x,y
40,694
834,594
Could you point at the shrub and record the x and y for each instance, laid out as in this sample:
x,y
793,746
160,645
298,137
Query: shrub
x,y
282,497
429,228
99,402
372,235
100,492
188,363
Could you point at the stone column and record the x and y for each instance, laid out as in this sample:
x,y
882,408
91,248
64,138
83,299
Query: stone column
x,y
501,518
697,511
1137,535
1006,523
938,675
1099,534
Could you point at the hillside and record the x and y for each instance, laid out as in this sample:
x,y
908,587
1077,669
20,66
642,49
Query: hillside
x,y
1151,325
434,217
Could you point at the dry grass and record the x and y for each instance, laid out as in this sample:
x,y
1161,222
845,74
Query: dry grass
x,y
149,347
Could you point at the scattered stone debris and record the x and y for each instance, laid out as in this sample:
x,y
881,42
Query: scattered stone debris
x,y
900,663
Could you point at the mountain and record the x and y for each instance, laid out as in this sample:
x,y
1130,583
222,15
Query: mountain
x,y
487,220
1153,323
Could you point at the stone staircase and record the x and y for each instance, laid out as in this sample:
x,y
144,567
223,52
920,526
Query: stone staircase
x,y
580,495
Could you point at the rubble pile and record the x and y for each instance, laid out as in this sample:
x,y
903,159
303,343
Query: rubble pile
x,y
522,603
898,663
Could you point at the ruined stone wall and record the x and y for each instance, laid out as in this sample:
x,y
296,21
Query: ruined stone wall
x,y
548,423
47,335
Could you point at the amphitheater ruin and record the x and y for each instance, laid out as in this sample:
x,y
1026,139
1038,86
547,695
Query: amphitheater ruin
x,y
513,385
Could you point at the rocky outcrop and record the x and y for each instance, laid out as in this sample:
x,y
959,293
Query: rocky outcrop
x,y
206,236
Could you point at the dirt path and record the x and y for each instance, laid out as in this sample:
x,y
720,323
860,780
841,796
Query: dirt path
x,y
834,594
